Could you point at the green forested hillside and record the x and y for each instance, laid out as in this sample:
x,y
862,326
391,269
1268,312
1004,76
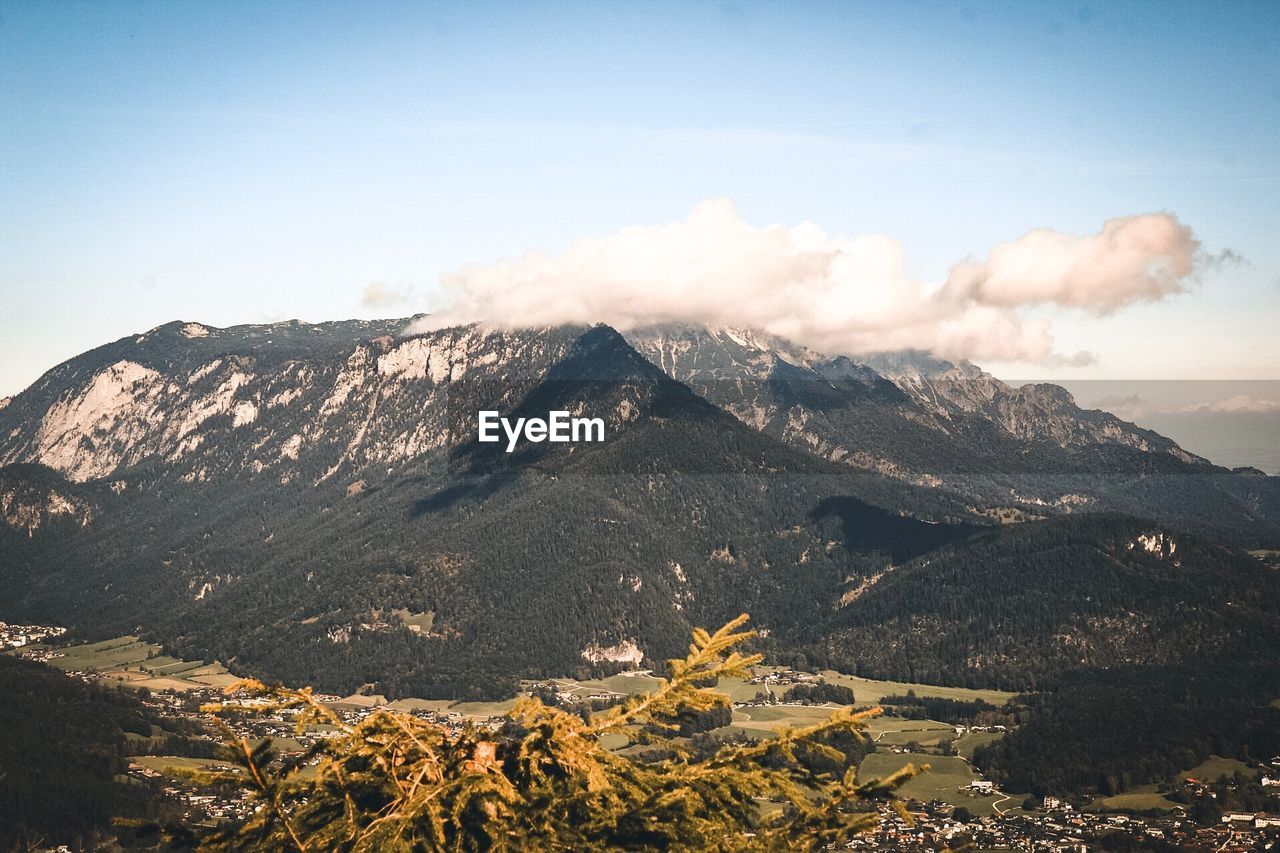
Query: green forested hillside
x,y
1018,606
61,754
1105,731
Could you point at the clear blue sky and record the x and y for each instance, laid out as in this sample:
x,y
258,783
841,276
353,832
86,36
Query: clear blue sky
x,y
244,162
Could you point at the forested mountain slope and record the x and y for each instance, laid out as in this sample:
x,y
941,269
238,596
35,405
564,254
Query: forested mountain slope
x,y
1015,453
1021,605
287,499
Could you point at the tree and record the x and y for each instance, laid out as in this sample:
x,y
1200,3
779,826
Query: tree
x,y
543,781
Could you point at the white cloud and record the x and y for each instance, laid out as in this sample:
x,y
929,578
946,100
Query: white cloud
x,y
848,295
1132,259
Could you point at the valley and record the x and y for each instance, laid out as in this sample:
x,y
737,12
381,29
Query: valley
x,y
951,797
1009,575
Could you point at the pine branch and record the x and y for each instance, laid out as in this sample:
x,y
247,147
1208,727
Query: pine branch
x,y
544,781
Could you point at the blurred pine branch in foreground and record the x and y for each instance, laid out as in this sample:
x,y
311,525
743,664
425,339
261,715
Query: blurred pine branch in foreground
x,y
543,781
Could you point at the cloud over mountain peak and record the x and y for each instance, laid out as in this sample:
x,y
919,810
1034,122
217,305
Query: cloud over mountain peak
x,y
848,295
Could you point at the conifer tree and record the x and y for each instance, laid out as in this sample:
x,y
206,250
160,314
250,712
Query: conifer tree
x,y
543,781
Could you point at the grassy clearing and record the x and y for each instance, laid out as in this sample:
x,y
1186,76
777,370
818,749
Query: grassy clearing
x,y
970,741
439,705
418,622
283,745
896,731
946,776
790,715
132,663
1211,768
474,710
866,691
173,765
107,655
748,729
869,691
181,668
739,690
482,710
614,741
1141,799
633,683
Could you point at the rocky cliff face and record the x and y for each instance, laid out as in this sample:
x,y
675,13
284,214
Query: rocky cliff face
x,y
255,408
206,402
32,498
907,415
1036,412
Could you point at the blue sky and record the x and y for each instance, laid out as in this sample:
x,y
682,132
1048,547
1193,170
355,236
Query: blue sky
x,y
245,162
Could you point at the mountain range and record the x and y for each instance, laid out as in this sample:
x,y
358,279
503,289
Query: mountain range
x,y
310,503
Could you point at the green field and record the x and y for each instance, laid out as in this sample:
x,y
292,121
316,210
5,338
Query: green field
x,y
793,715
946,776
614,741
1146,798
896,731
283,745
969,741
1211,768
474,710
106,655
172,666
631,683
868,691
132,663
174,765
418,705
482,710
1140,799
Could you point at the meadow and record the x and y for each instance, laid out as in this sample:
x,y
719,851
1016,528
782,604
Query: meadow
x,y
946,778
134,663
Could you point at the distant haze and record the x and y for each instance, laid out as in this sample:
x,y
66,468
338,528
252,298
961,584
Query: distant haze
x,y
1230,422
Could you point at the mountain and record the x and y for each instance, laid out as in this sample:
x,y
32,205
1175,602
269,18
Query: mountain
x,y
278,509
1014,453
199,403
311,503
